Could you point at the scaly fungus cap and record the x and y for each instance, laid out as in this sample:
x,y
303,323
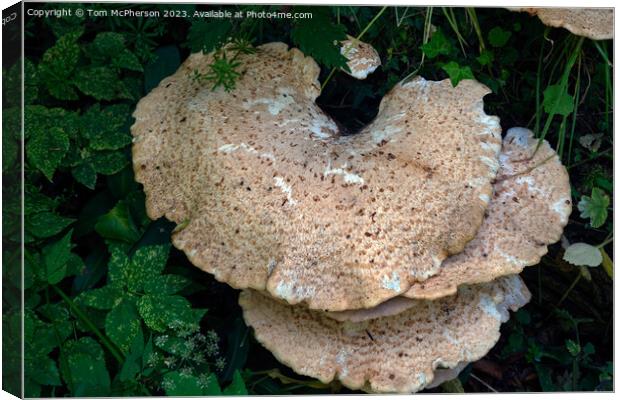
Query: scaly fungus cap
x,y
399,353
528,211
362,58
268,196
593,23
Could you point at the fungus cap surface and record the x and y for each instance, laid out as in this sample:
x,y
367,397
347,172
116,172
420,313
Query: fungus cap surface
x,y
527,212
593,23
399,353
362,58
268,196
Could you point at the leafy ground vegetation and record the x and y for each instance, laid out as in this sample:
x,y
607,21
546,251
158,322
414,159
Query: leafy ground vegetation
x,y
112,309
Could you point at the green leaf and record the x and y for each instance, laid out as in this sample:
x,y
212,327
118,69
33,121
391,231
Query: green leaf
x,y
42,370
46,224
85,174
103,298
498,37
438,44
118,266
556,100
107,128
122,324
573,347
108,162
319,37
148,261
45,150
486,57
583,254
55,257
127,60
161,312
594,207
237,387
57,66
177,384
98,82
83,368
457,73
35,201
118,224
165,284
207,36
167,61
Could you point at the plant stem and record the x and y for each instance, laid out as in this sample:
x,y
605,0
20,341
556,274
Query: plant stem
x,y
80,314
570,288
372,21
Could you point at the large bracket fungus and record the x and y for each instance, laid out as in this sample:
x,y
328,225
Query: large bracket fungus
x,y
593,23
272,198
375,258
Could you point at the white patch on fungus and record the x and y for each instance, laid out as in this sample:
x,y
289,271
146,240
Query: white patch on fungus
x,y
485,198
392,283
379,136
286,189
347,176
487,305
283,99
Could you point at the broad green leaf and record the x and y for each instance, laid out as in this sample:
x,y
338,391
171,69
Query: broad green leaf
x,y
583,254
556,100
498,37
127,60
486,57
85,174
177,384
131,366
150,259
107,128
165,284
118,224
35,201
57,66
237,387
45,150
118,267
207,36
98,82
46,224
38,120
42,370
55,257
83,368
108,162
167,61
594,207
103,298
438,44
122,324
457,73
319,37
161,312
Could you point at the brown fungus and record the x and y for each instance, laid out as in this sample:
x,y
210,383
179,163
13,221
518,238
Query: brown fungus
x,y
398,353
269,196
593,23
362,58
528,211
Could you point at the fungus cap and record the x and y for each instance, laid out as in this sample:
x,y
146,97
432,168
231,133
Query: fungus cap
x,y
390,354
362,58
528,211
268,196
593,23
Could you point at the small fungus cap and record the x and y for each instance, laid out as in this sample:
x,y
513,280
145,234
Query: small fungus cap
x,y
362,58
269,196
399,353
593,23
528,211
